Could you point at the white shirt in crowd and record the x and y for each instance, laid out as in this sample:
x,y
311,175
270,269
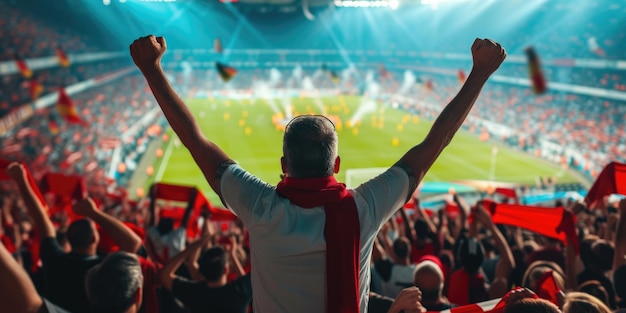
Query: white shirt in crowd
x,y
168,245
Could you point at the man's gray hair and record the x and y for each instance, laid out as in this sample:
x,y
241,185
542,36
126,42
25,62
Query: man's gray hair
x,y
112,285
310,147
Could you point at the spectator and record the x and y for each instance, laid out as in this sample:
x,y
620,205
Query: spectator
x,y
163,240
292,276
429,279
69,269
578,302
214,293
115,285
19,293
408,300
396,269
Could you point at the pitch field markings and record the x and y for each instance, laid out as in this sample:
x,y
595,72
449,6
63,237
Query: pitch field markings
x,y
371,146
166,158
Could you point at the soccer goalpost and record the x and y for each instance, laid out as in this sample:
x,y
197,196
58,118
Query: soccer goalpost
x,y
357,176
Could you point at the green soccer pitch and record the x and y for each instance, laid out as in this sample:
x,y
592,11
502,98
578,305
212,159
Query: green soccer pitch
x,y
248,133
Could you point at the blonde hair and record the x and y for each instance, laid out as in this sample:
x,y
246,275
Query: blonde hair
x,y
538,268
580,302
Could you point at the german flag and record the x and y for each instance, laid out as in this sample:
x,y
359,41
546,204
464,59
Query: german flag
x,y
23,67
63,59
537,79
217,45
226,72
384,73
460,75
66,109
334,77
429,85
53,126
34,88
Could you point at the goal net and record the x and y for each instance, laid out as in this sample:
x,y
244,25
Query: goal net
x,y
357,176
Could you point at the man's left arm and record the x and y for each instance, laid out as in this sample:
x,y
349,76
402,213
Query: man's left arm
x,y
487,56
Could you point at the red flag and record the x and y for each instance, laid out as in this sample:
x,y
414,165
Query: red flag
x,y
429,85
182,194
537,79
384,74
226,72
63,59
34,88
52,125
555,223
508,192
108,245
548,288
611,180
460,75
23,67
66,188
66,108
217,45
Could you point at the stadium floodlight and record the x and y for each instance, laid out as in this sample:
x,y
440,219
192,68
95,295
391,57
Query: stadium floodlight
x,y
106,2
363,3
435,3
394,4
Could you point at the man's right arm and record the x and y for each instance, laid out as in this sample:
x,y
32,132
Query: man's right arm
x,y
146,53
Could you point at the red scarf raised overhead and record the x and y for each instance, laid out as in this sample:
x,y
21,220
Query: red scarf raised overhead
x,y
342,233
612,179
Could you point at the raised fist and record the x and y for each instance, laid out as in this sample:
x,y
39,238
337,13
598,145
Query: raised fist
x,y
16,171
84,207
147,52
408,300
487,55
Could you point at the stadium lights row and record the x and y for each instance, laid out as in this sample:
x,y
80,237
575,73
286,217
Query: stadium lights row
x,y
108,2
393,4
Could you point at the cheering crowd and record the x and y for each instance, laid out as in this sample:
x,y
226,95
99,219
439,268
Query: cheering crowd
x,y
307,244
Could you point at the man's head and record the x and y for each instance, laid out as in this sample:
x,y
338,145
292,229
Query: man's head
x,y
83,236
597,255
421,228
428,277
538,269
213,264
310,147
470,254
114,286
579,302
402,248
532,305
165,225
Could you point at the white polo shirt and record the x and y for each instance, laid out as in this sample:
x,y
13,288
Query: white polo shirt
x,y
288,248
